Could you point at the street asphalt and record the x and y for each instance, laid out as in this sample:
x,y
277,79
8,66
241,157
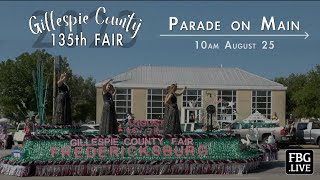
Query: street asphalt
x,y
267,171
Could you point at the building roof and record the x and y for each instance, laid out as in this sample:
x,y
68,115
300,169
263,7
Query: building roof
x,y
193,77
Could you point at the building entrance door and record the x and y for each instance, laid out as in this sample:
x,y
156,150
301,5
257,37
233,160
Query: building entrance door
x,y
190,116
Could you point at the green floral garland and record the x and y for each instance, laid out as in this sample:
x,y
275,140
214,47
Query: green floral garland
x,y
57,130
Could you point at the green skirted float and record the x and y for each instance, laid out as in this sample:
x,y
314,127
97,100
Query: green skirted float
x,y
64,151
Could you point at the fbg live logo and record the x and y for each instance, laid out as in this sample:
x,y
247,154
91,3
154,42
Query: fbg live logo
x,y
299,161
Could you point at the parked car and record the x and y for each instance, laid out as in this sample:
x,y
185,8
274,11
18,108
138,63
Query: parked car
x,y
307,133
20,133
90,128
91,122
280,134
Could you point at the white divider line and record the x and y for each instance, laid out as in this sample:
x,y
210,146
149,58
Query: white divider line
x,y
305,35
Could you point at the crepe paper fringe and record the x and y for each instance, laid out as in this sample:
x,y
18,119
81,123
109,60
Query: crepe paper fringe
x,y
270,151
162,162
14,170
123,136
129,169
268,147
270,156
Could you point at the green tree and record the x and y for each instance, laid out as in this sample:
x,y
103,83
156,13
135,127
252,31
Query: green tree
x,y
307,97
17,88
83,94
303,93
293,82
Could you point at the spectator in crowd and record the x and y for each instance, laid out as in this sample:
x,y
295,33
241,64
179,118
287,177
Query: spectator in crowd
x,y
120,128
291,123
275,116
3,135
28,128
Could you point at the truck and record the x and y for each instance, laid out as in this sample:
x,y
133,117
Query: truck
x,y
261,131
307,133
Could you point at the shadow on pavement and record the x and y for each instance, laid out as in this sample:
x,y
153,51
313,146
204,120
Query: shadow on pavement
x,y
303,147
266,166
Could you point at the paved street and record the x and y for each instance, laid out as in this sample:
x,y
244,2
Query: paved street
x,y
267,171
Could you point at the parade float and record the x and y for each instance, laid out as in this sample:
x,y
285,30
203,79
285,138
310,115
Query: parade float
x,y
140,150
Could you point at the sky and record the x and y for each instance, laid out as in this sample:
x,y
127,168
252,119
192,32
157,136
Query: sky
x,y
291,54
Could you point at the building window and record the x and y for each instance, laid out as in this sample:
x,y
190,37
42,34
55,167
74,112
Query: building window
x,y
123,102
192,96
227,108
155,109
261,102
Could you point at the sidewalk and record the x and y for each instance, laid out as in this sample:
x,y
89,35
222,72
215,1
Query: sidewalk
x,y
304,147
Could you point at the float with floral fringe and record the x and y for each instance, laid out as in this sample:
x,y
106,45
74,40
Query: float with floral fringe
x,y
57,152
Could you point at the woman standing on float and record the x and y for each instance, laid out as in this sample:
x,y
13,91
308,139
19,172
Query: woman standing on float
x,y
166,107
109,123
63,103
171,116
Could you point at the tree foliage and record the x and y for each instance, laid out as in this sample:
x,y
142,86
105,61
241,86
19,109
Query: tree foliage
x,y
303,93
17,94
83,95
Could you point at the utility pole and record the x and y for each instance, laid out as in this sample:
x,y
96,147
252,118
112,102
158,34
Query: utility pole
x,y
56,69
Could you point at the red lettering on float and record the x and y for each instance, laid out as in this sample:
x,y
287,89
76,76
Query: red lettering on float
x,y
180,142
189,150
92,154
101,152
143,150
122,151
66,151
173,141
176,148
202,150
101,142
77,150
156,151
54,150
73,142
106,141
129,151
114,151
189,141
167,150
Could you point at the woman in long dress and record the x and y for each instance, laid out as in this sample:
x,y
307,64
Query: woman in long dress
x,y
172,117
109,123
166,107
63,103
